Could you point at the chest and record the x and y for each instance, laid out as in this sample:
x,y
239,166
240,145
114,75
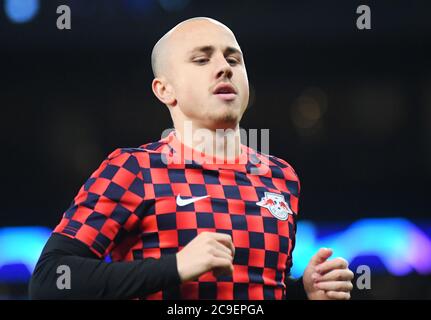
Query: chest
x,y
254,210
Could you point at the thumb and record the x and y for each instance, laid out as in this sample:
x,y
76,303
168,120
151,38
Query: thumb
x,y
321,256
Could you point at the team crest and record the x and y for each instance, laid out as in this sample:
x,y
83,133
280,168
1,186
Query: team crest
x,y
276,204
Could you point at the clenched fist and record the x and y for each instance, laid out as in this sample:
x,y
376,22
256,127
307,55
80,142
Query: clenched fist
x,y
208,251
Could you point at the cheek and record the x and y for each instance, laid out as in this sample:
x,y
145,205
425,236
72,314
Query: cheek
x,y
183,89
192,96
192,93
243,83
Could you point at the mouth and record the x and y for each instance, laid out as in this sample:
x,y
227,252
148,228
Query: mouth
x,y
225,91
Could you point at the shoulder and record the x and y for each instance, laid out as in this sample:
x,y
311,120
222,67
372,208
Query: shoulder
x,y
137,156
280,168
274,161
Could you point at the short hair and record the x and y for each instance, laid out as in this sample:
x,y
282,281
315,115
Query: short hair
x,y
160,45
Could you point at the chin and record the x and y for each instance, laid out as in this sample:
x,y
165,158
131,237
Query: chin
x,y
224,120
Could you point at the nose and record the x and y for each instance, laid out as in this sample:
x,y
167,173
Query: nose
x,y
224,69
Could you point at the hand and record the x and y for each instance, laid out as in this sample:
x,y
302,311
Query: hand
x,y
327,279
208,251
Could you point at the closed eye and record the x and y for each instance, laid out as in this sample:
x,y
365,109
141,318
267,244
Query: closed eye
x,y
201,61
232,61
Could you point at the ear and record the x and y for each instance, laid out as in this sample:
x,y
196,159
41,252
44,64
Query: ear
x,y
163,91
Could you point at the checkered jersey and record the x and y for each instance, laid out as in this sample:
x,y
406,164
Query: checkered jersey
x,y
127,209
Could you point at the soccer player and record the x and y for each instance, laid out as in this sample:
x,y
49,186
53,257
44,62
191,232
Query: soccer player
x,y
197,214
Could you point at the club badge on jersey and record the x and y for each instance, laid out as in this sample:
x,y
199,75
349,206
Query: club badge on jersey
x,y
276,204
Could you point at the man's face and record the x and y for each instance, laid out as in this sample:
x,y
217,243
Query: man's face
x,y
204,56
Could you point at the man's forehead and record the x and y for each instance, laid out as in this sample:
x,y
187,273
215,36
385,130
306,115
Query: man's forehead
x,y
200,25
201,33
187,36
228,49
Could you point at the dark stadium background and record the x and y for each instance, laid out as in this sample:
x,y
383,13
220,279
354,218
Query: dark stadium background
x,y
350,110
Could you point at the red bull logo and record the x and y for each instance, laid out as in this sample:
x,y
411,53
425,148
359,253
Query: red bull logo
x,y
276,204
284,205
269,202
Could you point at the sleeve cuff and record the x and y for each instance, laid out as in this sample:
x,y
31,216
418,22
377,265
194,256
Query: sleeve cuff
x,y
295,289
169,264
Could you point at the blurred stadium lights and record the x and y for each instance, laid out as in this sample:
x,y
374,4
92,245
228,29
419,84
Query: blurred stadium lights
x,y
377,110
308,110
21,11
20,248
400,245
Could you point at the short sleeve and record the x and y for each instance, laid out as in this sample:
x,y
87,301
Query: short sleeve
x,y
108,206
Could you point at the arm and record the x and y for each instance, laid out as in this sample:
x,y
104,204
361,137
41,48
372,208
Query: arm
x,y
107,209
93,278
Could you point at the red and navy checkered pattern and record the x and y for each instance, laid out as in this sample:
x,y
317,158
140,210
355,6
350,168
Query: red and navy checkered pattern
x,y
128,209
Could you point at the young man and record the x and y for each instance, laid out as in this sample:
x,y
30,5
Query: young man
x,y
196,215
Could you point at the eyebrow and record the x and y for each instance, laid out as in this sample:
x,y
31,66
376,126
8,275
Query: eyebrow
x,y
210,49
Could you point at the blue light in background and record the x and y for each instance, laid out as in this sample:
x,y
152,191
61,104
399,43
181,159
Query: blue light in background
x,y
401,246
20,246
397,244
21,11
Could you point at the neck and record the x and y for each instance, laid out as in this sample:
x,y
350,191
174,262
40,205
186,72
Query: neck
x,y
220,143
